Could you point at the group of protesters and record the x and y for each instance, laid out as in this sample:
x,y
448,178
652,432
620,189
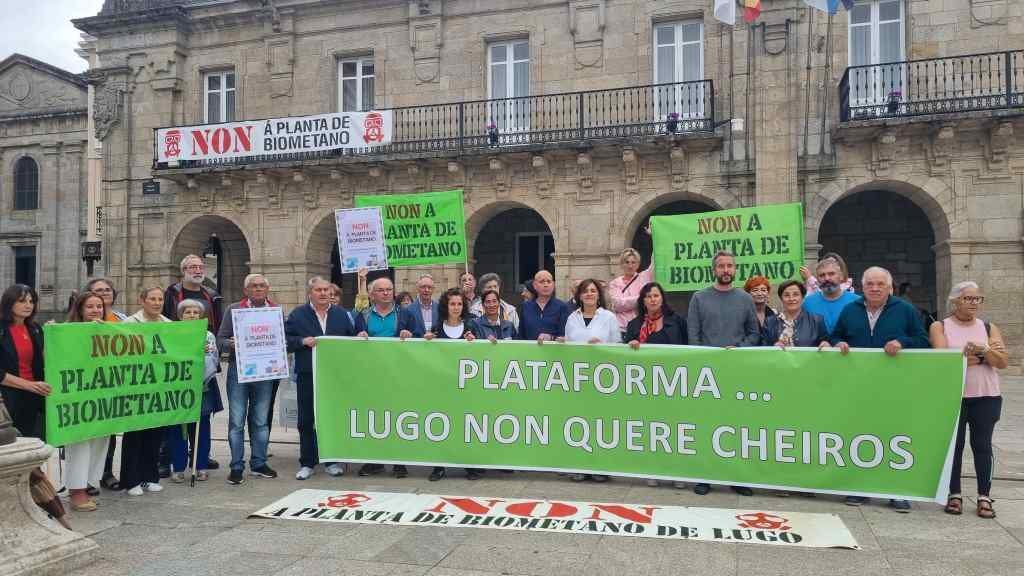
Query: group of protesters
x,y
823,311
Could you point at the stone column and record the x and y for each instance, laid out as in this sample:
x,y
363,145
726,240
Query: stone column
x,y
30,541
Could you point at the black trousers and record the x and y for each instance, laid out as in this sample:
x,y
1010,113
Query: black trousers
x,y
108,466
140,452
981,414
307,429
270,409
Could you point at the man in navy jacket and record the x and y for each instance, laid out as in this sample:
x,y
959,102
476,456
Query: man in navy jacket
x,y
316,318
879,320
424,307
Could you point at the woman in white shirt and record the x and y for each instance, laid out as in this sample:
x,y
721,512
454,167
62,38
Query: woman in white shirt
x,y
591,323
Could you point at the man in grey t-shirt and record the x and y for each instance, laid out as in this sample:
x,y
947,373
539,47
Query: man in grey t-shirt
x,y
722,316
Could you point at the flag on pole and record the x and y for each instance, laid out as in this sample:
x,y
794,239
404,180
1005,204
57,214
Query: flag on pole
x,y
725,11
751,10
829,6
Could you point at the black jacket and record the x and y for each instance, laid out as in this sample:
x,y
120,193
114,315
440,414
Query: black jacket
x,y
673,330
302,322
26,408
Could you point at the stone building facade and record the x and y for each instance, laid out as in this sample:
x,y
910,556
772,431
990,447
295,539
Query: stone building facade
x,y
43,139
898,125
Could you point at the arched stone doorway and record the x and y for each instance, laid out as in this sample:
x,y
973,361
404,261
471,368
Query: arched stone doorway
x,y
514,242
878,227
641,242
322,259
224,249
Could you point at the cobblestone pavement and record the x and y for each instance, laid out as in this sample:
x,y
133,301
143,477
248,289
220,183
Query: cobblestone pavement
x,y
204,530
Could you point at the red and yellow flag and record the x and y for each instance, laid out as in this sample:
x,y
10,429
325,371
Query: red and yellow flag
x,y
751,10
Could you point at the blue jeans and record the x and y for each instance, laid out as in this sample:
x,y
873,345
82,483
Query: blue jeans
x,y
248,402
178,444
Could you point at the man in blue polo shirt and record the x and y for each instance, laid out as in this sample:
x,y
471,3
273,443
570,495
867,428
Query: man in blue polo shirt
x,y
544,317
830,300
385,319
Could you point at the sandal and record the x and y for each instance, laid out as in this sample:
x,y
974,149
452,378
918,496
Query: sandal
x,y
203,476
954,506
985,509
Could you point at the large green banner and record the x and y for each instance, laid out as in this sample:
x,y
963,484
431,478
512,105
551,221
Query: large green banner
x,y
864,424
767,240
108,378
419,229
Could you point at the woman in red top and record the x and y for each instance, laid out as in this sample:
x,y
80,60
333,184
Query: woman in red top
x,y
21,360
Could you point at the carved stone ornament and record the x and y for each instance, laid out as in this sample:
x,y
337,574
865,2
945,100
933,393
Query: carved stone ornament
x,y
108,100
939,148
541,175
500,173
679,168
630,170
884,152
1000,136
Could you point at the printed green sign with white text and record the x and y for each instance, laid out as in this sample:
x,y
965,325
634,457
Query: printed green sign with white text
x,y
795,419
420,229
109,378
767,241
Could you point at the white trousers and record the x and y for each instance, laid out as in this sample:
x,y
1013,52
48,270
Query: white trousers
x,y
85,463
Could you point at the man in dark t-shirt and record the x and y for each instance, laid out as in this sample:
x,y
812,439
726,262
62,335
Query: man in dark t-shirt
x,y
193,272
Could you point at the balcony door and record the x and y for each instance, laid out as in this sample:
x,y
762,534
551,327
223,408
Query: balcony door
x,y
877,40
679,57
508,84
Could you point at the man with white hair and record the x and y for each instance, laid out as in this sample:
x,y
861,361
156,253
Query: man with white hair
x,y
879,320
193,272
252,401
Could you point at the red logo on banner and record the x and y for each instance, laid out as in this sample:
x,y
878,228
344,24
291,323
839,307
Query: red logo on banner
x,y
373,127
351,500
172,143
762,521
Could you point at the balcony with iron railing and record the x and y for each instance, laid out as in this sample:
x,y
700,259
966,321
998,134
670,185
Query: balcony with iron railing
x,y
933,86
526,123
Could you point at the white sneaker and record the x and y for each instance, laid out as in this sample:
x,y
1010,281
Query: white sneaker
x,y
304,473
652,482
679,484
152,486
335,469
136,491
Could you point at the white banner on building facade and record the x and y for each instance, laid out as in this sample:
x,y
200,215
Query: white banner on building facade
x,y
751,526
260,351
361,239
274,136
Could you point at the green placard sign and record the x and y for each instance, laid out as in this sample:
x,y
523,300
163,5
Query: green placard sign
x,y
420,229
108,378
767,241
787,419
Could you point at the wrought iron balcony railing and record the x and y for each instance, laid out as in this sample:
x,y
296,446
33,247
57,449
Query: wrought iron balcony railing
x,y
950,85
510,124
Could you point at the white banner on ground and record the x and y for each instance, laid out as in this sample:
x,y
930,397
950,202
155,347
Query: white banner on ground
x,y
253,138
260,351
361,239
673,522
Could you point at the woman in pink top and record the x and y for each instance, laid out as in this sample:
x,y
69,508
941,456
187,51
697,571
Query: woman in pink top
x,y
624,290
982,344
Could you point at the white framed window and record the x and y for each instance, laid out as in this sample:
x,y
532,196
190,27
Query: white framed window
x,y
508,76
679,57
356,84
876,37
219,97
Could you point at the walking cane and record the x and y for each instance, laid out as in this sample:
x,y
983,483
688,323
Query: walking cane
x,y
195,451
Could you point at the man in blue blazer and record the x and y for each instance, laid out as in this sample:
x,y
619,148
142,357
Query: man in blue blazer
x,y
424,307
385,319
304,324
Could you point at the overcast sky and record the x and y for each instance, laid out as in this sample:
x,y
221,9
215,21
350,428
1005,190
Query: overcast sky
x,y
42,29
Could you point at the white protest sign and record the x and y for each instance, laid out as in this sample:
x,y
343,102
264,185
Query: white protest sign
x,y
361,239
260,351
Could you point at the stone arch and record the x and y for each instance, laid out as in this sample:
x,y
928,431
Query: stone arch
x,y
192,238
897,224
478,217
636,210
493,242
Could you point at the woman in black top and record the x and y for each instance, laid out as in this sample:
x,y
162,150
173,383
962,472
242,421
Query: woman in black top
x,y
21,360
454,324
655,322
793,326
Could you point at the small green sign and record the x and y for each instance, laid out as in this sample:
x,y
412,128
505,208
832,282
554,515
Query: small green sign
x,y
420,229
766,240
